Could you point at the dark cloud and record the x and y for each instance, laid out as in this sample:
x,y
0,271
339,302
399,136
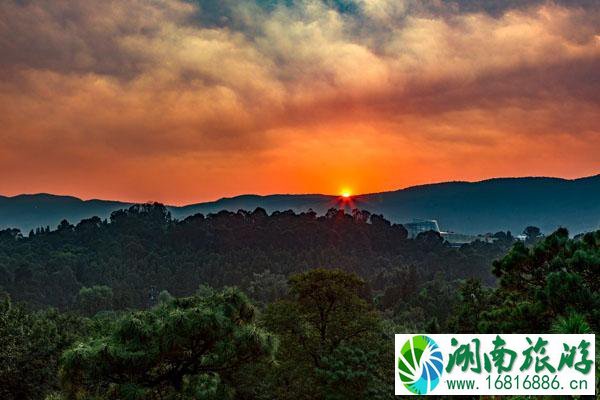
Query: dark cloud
x,y
498,7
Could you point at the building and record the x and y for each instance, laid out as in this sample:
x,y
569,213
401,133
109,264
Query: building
x,y
458,239
421,225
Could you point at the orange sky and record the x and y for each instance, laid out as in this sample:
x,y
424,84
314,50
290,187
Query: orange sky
x,y
166,100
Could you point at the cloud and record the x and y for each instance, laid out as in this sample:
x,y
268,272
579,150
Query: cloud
x,y
225,86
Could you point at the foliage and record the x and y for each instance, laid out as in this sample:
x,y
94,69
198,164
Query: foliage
x,y
572,323
540,286
474,301
30,346
187,348
327,321
533,235
142,251
95,299
353,372
332,291
267,287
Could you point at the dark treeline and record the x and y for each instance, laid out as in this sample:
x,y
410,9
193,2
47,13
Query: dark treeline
x,y
141,251
251,306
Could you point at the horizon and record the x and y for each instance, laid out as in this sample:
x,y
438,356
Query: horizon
x,y
341,194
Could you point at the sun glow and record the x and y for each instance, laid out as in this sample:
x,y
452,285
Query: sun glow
x,y
346,193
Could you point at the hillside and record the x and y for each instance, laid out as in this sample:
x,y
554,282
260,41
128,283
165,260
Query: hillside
x,y
143,247
466,207
30,211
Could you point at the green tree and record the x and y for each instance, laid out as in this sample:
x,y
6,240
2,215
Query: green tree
x,y
94,299
326,322
351,372
533,234
572,323
267,287
186,348
30,346
474,301
547,285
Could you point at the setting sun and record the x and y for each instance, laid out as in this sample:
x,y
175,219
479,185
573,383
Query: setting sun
x,y
346,193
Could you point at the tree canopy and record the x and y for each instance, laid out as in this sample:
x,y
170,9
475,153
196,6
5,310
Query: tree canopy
x,y
144,306
141,251
185,348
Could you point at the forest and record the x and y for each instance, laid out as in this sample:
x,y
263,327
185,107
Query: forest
x,y
249,305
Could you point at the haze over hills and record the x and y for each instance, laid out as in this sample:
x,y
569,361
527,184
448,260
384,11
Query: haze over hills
x,y
467,207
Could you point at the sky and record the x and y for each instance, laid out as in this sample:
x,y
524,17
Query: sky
x,y
186,101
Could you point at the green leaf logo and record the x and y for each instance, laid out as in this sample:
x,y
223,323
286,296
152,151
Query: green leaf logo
x,y
420,364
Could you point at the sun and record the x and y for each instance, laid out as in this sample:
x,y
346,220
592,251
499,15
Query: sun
x,y
346,193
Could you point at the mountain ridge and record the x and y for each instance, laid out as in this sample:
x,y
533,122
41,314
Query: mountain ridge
x,y
504,203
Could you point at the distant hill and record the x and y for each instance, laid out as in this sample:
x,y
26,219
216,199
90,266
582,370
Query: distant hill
x,y
467,207
29,211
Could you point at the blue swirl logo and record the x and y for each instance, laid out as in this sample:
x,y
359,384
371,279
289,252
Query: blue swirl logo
x,y
420,364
